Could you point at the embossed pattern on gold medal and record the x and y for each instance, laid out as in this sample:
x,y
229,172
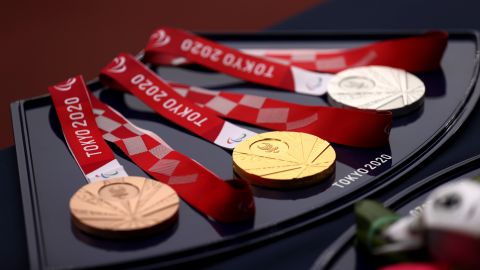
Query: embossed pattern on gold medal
x,y
284,159
124,207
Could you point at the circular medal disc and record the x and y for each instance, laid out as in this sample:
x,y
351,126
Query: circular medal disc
x,y
377,88
124,207
284,159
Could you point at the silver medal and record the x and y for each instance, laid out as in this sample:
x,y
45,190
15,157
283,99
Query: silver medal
x,y
377,88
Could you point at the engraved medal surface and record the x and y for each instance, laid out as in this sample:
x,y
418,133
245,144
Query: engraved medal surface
x,y
378,88
124,207
283,159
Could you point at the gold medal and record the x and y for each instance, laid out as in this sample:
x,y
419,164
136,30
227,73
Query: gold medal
x,y
124,207
283,159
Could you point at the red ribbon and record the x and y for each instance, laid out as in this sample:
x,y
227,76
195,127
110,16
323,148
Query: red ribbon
x,y
352,127
169,41
207,193
78,125
419,53
359,128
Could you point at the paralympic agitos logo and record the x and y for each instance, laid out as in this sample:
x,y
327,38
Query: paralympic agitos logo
x,y
237,140
107,175
312,86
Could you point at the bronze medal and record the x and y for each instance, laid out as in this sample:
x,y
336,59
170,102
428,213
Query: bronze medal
x,y
124,207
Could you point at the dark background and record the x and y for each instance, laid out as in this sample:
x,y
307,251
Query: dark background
x,y
44,42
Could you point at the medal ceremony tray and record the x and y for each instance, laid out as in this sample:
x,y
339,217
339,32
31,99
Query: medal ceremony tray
x,y
49,175
343,255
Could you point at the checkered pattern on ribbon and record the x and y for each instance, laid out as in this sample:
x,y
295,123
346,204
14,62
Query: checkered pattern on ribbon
x,y
351,127
157,158
165,42
199,187
311,59
249,108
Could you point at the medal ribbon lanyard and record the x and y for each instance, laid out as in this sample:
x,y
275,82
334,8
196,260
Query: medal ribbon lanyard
x,y
200,188
127,73
419,53
231,61
350,127
84,139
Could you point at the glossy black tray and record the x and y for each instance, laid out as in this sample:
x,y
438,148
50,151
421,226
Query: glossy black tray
x,y
342,254
49,174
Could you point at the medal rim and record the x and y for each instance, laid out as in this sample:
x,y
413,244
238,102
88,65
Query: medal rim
x,y
283,183
113,233
398,111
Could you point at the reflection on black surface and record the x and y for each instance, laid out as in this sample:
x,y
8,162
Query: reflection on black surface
x,y
55,125
411,117
292,194
124,244
367,158
226,229
435,83
231,228
435,87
